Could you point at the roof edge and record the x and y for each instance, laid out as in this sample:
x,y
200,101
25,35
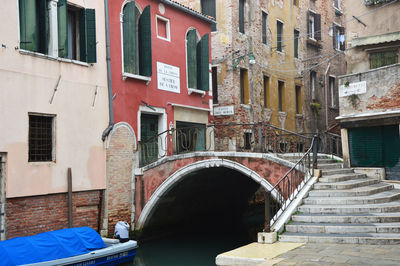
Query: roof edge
x,y
190,11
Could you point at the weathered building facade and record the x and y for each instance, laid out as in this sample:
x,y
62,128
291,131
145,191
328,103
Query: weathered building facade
x,y
370,92
160,64
323,38
53,101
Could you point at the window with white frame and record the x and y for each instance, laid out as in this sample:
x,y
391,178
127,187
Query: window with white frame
x,y
136,40
58,29
314,26
338,37
279,35
163,29
313,78
264,26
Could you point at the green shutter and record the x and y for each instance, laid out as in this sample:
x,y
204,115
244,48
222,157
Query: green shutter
x,y
203,73
62,17
27,24
42,27
129,34
191,41
87,34
366,147
208,7
145,64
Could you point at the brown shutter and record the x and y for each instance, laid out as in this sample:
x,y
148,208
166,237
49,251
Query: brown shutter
x,y
317,26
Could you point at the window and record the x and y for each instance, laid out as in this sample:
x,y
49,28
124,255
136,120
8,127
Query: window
x,y
299,106
295,2
332,90
136,35
266,93
148,138
279,32
296,43
241,15
197,58
247,140
163,31
208,7
313,77
264,27
314,26
244,86
338,37
40,138
336,4
75,29
281,96
215,84
380,59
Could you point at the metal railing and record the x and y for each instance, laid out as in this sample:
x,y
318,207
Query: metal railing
x,y
255,137
331,144
284,191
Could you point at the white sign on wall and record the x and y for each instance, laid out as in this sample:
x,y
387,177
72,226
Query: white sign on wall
x,y
353,88
224,110
168,78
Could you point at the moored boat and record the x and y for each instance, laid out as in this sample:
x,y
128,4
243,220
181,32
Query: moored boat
x,y
74,246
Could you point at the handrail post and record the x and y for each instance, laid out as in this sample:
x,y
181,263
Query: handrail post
x,y
267,212
315,151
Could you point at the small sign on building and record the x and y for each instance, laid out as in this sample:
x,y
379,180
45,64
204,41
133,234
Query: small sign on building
x,y
168,78
353,88
224,110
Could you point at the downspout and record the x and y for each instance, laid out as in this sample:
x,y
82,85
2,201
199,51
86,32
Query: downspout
x,y
326,96
326,109
109,83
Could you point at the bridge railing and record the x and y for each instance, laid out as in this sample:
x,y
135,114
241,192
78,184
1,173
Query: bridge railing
x,y
255,137
286,189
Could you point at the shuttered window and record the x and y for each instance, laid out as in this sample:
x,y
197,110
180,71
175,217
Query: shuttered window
x,y
244,86
208,7
76,29
264,27
380,59
136,33
197,57
296,43
314,25
241,16
215,84
279,32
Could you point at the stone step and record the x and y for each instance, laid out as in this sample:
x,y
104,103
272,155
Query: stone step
x,y
327,172
393,206
342,228
389,217
357,191
346,184
382,197
326,161
341,177
364,238
323,166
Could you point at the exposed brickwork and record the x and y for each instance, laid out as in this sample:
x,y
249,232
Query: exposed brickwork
x,y
120,158
33,215
389,101
154,177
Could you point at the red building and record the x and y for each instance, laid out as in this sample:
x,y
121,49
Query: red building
x,y
160,69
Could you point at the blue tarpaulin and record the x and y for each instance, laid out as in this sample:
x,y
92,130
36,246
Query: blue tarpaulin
x,y
49,246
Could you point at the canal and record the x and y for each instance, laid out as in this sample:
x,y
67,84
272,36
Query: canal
x,y
210,212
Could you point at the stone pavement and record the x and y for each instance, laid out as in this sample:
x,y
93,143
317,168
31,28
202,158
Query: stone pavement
x,y
339,254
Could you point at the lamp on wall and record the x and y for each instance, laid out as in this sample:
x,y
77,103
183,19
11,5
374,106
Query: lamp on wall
x,y
236,61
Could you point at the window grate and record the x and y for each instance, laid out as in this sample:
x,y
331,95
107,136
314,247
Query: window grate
x,y
40,138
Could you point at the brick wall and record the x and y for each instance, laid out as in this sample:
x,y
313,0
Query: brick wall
x,y
120,161
32,215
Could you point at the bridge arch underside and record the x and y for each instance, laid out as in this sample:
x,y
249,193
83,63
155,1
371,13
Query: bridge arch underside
x,y
209,200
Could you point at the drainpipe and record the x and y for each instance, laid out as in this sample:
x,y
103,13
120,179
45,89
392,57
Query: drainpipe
x,y
109,83
326,107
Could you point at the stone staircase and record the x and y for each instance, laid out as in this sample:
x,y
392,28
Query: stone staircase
x,y
346,207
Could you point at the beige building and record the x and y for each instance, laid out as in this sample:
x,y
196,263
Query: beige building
x,y
54,106
370,92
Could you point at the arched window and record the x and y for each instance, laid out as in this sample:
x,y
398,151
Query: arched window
x,y
136,35
197,58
